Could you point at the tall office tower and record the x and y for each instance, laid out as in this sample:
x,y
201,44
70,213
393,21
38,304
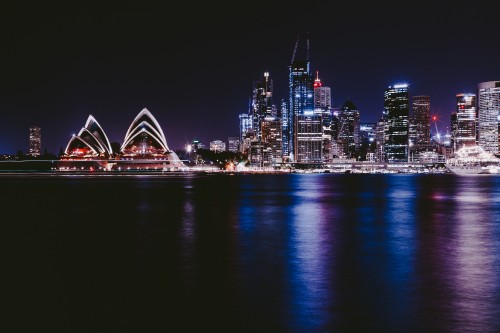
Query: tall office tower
x,y
367,143
35,144
233,144
348,138
380,130
308,138
246,142
245,125
487,115
261,102
323,107
466,121
272,141
301,92
453,129
397,109
322,95
421,120
335,124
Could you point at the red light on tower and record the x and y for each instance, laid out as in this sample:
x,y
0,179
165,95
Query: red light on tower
x,y
317,81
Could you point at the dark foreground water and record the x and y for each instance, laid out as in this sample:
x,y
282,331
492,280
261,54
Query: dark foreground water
x,y
251,253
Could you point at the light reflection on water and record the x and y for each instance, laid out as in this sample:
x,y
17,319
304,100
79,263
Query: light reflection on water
x,y
281,253
308,256
379,252
475,260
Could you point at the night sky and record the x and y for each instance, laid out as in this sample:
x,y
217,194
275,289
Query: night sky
x,y
193,65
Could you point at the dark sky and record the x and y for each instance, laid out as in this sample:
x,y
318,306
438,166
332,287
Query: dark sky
x,y
193,65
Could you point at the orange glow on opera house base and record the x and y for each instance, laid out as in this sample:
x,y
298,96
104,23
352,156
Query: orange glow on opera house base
x,y
144,148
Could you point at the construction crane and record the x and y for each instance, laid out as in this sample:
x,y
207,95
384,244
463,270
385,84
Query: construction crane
x,y
438,137
295,49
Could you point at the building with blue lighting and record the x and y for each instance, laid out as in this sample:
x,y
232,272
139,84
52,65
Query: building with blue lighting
x,y
301,98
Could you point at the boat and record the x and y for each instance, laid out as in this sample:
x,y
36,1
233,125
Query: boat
x,y
473,160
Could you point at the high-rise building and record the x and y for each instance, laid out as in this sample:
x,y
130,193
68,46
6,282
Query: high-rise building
x,y
466,121
301,91
322,95
453,129
245,125
308,138
233,144
261,102
348,138
367,138
246,142
323,107
35,143
272,148
421,120
380,130
487,115
396,113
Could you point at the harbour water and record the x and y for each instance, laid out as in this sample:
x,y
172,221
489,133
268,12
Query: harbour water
x,y
251,253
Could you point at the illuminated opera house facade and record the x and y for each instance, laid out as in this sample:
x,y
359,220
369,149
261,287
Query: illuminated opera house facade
x,y
144,148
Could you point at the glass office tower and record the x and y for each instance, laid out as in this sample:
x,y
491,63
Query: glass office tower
x,y
487,115
396,105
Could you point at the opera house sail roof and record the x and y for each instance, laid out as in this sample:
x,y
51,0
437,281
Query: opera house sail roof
x,y
91,141
144,137
144,147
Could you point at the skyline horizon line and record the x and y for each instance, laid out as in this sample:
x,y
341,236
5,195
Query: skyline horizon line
x,y
278,105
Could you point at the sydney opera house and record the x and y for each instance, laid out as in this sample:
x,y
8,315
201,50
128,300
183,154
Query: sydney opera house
x,y
144,148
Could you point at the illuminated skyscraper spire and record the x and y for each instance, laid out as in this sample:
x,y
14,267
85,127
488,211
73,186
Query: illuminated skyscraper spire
x,y
317,81
301,95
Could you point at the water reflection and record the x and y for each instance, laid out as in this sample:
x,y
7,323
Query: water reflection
x,y
310,249
474,272
274,253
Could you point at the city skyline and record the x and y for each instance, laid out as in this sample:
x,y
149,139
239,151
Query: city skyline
x,y
65,63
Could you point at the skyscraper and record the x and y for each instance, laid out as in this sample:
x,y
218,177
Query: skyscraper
x,y
233,144
396,105
348,138
466,121
380,129
421,120
272,141
308,138
453,129
245,125
301,91
487,115
367,141
323,107
261,102
322,96
35,143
